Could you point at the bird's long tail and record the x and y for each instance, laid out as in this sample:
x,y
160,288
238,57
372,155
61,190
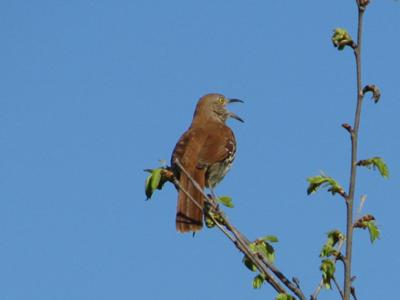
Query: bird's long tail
x,y
189,216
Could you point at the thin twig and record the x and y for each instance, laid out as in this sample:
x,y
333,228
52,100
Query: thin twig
x,y
242,243
353,166
353,293
338,287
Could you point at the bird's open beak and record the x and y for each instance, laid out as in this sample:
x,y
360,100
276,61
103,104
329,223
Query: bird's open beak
x,y
233,115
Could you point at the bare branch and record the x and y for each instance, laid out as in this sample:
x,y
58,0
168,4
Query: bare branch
x,y
353,293
338,287
361,4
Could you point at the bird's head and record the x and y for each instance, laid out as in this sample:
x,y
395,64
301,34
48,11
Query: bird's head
x,y
213,106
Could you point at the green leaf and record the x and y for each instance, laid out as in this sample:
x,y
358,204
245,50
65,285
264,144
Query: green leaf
x,y
284,297
334,236
249,264
316,182
368,221
376,163
209,222
225,200
269,238
363,221
258,281
265,248
209,216
327,251
374,232
328,270
155,179
148,189
270,252
341,38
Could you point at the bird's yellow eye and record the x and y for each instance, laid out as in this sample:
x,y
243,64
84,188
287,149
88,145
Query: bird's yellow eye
x,y
221,100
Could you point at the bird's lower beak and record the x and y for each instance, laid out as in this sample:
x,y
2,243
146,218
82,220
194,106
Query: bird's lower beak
x,y
233,115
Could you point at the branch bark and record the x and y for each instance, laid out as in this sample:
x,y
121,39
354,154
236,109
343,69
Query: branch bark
x,y
353,167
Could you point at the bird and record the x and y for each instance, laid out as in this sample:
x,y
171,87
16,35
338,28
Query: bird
x,y
206,151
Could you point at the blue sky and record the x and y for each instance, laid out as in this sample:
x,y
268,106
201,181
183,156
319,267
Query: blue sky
x,y
93,92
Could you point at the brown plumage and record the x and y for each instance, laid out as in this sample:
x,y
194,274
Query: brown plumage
x,y
206,150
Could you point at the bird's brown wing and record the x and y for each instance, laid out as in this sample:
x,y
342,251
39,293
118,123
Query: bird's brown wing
x,y
219,145
189,216
217,154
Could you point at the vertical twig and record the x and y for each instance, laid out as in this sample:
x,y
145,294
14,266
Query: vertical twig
x,y
353,167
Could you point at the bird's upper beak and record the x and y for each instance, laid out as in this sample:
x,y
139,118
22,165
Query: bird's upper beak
x,y
235,100
233,115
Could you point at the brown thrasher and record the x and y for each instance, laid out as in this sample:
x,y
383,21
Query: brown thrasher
x,y
206,151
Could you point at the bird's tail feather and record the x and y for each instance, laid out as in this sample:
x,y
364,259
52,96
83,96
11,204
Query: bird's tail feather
x,y
189,216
